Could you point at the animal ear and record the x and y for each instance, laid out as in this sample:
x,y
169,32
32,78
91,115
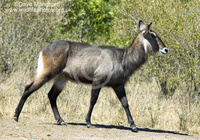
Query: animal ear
x,y
149,26
142,26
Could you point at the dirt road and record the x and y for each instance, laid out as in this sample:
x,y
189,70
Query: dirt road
x,y
36,130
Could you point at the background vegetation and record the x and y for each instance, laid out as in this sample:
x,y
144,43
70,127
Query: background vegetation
x,y
163,94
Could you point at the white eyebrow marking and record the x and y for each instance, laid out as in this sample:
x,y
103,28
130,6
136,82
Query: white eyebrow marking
x,y
153,33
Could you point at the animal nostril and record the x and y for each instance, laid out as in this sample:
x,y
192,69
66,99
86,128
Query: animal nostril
x,y
166,50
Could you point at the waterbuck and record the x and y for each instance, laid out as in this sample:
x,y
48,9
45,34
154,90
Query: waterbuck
x,y
98,65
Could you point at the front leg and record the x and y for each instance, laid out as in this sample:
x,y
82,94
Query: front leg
x,y
121,94
94,96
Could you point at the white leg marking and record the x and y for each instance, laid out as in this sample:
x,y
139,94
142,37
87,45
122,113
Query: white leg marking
x,y
40,64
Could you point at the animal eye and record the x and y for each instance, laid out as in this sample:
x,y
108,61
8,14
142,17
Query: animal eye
x,y
153,35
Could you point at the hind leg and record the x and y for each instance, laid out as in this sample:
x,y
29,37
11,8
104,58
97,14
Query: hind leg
x,y
59,84
29,89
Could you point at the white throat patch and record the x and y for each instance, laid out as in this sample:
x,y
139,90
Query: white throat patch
x,y
146,43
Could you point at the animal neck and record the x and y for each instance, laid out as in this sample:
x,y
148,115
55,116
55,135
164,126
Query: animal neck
x,y
134,56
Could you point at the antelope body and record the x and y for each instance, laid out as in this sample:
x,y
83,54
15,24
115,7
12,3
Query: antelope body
x,y
98,65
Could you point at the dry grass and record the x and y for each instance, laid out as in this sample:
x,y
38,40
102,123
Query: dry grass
x,y
148,107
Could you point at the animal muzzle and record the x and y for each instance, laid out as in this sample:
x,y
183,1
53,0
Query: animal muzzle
x,y
163,50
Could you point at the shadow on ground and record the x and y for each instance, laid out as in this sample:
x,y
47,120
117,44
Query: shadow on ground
x,y
128,128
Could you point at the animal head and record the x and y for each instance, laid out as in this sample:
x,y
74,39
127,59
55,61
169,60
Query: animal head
x,y
151,41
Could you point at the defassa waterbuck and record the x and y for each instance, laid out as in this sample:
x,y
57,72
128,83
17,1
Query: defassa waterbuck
x,y
98,65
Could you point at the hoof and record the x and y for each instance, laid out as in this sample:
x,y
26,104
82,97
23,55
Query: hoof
x,y
16,119
61,123
89,126
134,129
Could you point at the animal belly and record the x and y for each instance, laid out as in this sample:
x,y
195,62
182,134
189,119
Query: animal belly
x,y
79,74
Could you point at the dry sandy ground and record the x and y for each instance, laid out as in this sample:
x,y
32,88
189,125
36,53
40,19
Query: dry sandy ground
x,y
36,130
